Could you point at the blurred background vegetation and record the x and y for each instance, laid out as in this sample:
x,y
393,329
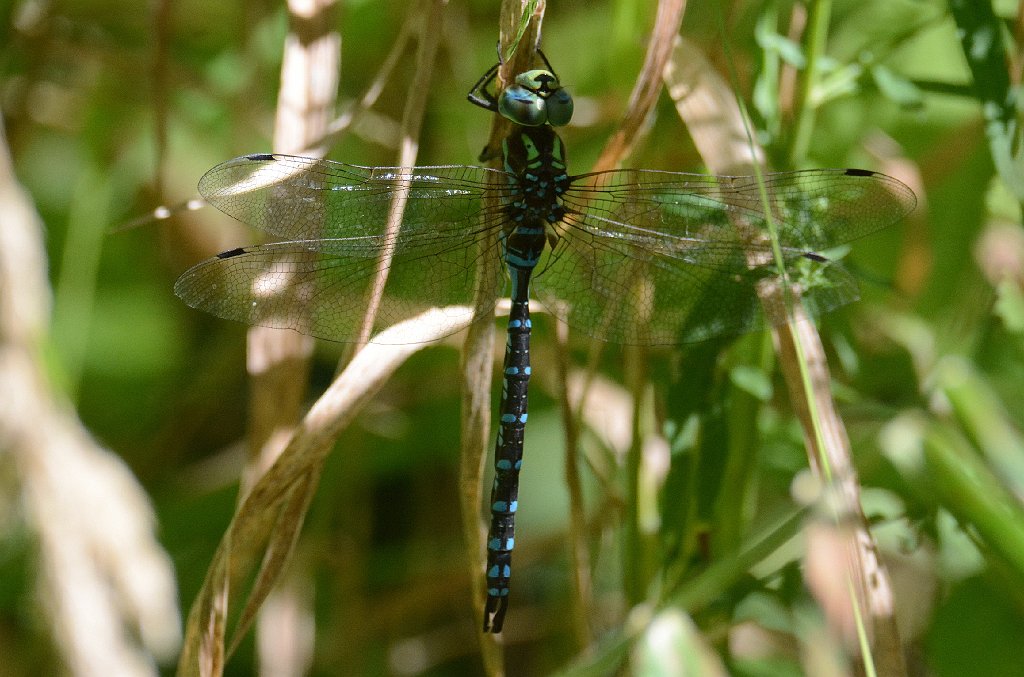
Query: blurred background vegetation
x,y
111,109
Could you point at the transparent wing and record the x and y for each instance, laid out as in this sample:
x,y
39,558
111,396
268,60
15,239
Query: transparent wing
x,y
335,218
653,257
813,210
301,198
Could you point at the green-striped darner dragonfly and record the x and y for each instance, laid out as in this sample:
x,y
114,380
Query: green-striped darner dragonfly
x,y
631,256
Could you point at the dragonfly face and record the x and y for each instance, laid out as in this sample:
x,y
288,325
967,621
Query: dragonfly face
x,y
536,99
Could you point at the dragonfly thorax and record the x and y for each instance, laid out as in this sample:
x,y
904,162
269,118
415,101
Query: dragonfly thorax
x,y
535,160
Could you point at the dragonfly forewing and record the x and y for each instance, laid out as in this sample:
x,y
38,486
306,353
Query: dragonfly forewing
x,y
650,257
335,218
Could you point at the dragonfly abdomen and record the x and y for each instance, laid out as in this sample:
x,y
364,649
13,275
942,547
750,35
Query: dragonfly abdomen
x,y
508,455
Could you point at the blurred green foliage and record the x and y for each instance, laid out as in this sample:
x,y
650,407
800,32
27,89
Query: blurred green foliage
x,y
111,109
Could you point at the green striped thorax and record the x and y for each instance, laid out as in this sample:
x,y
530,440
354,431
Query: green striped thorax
x,y
536,99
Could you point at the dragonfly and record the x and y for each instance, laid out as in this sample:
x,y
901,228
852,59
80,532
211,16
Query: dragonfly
x,y
631,256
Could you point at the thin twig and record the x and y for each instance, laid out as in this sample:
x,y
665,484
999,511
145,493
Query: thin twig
x,y
648,85
579,552
412,121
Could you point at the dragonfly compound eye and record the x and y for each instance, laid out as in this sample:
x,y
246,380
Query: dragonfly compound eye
x,y
523,106
559,106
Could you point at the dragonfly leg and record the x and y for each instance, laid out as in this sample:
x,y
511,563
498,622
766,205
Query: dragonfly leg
x,y
480,96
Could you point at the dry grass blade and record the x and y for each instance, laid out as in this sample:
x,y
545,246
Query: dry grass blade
x,y
372,92
278,361
412,121
707,106
580,611
105,585
648,85
269,518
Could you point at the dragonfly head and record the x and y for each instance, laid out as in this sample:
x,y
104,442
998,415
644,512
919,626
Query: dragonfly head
x,y
535,99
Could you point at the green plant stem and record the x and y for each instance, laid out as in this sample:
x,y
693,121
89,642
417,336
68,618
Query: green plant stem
x,y
818,22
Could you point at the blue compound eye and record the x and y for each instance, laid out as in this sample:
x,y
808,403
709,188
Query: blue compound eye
x,y
522,106
559,106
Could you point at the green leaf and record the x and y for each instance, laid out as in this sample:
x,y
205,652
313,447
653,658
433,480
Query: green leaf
x,y
752,380
1010,305
896,87
672,645
524,22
